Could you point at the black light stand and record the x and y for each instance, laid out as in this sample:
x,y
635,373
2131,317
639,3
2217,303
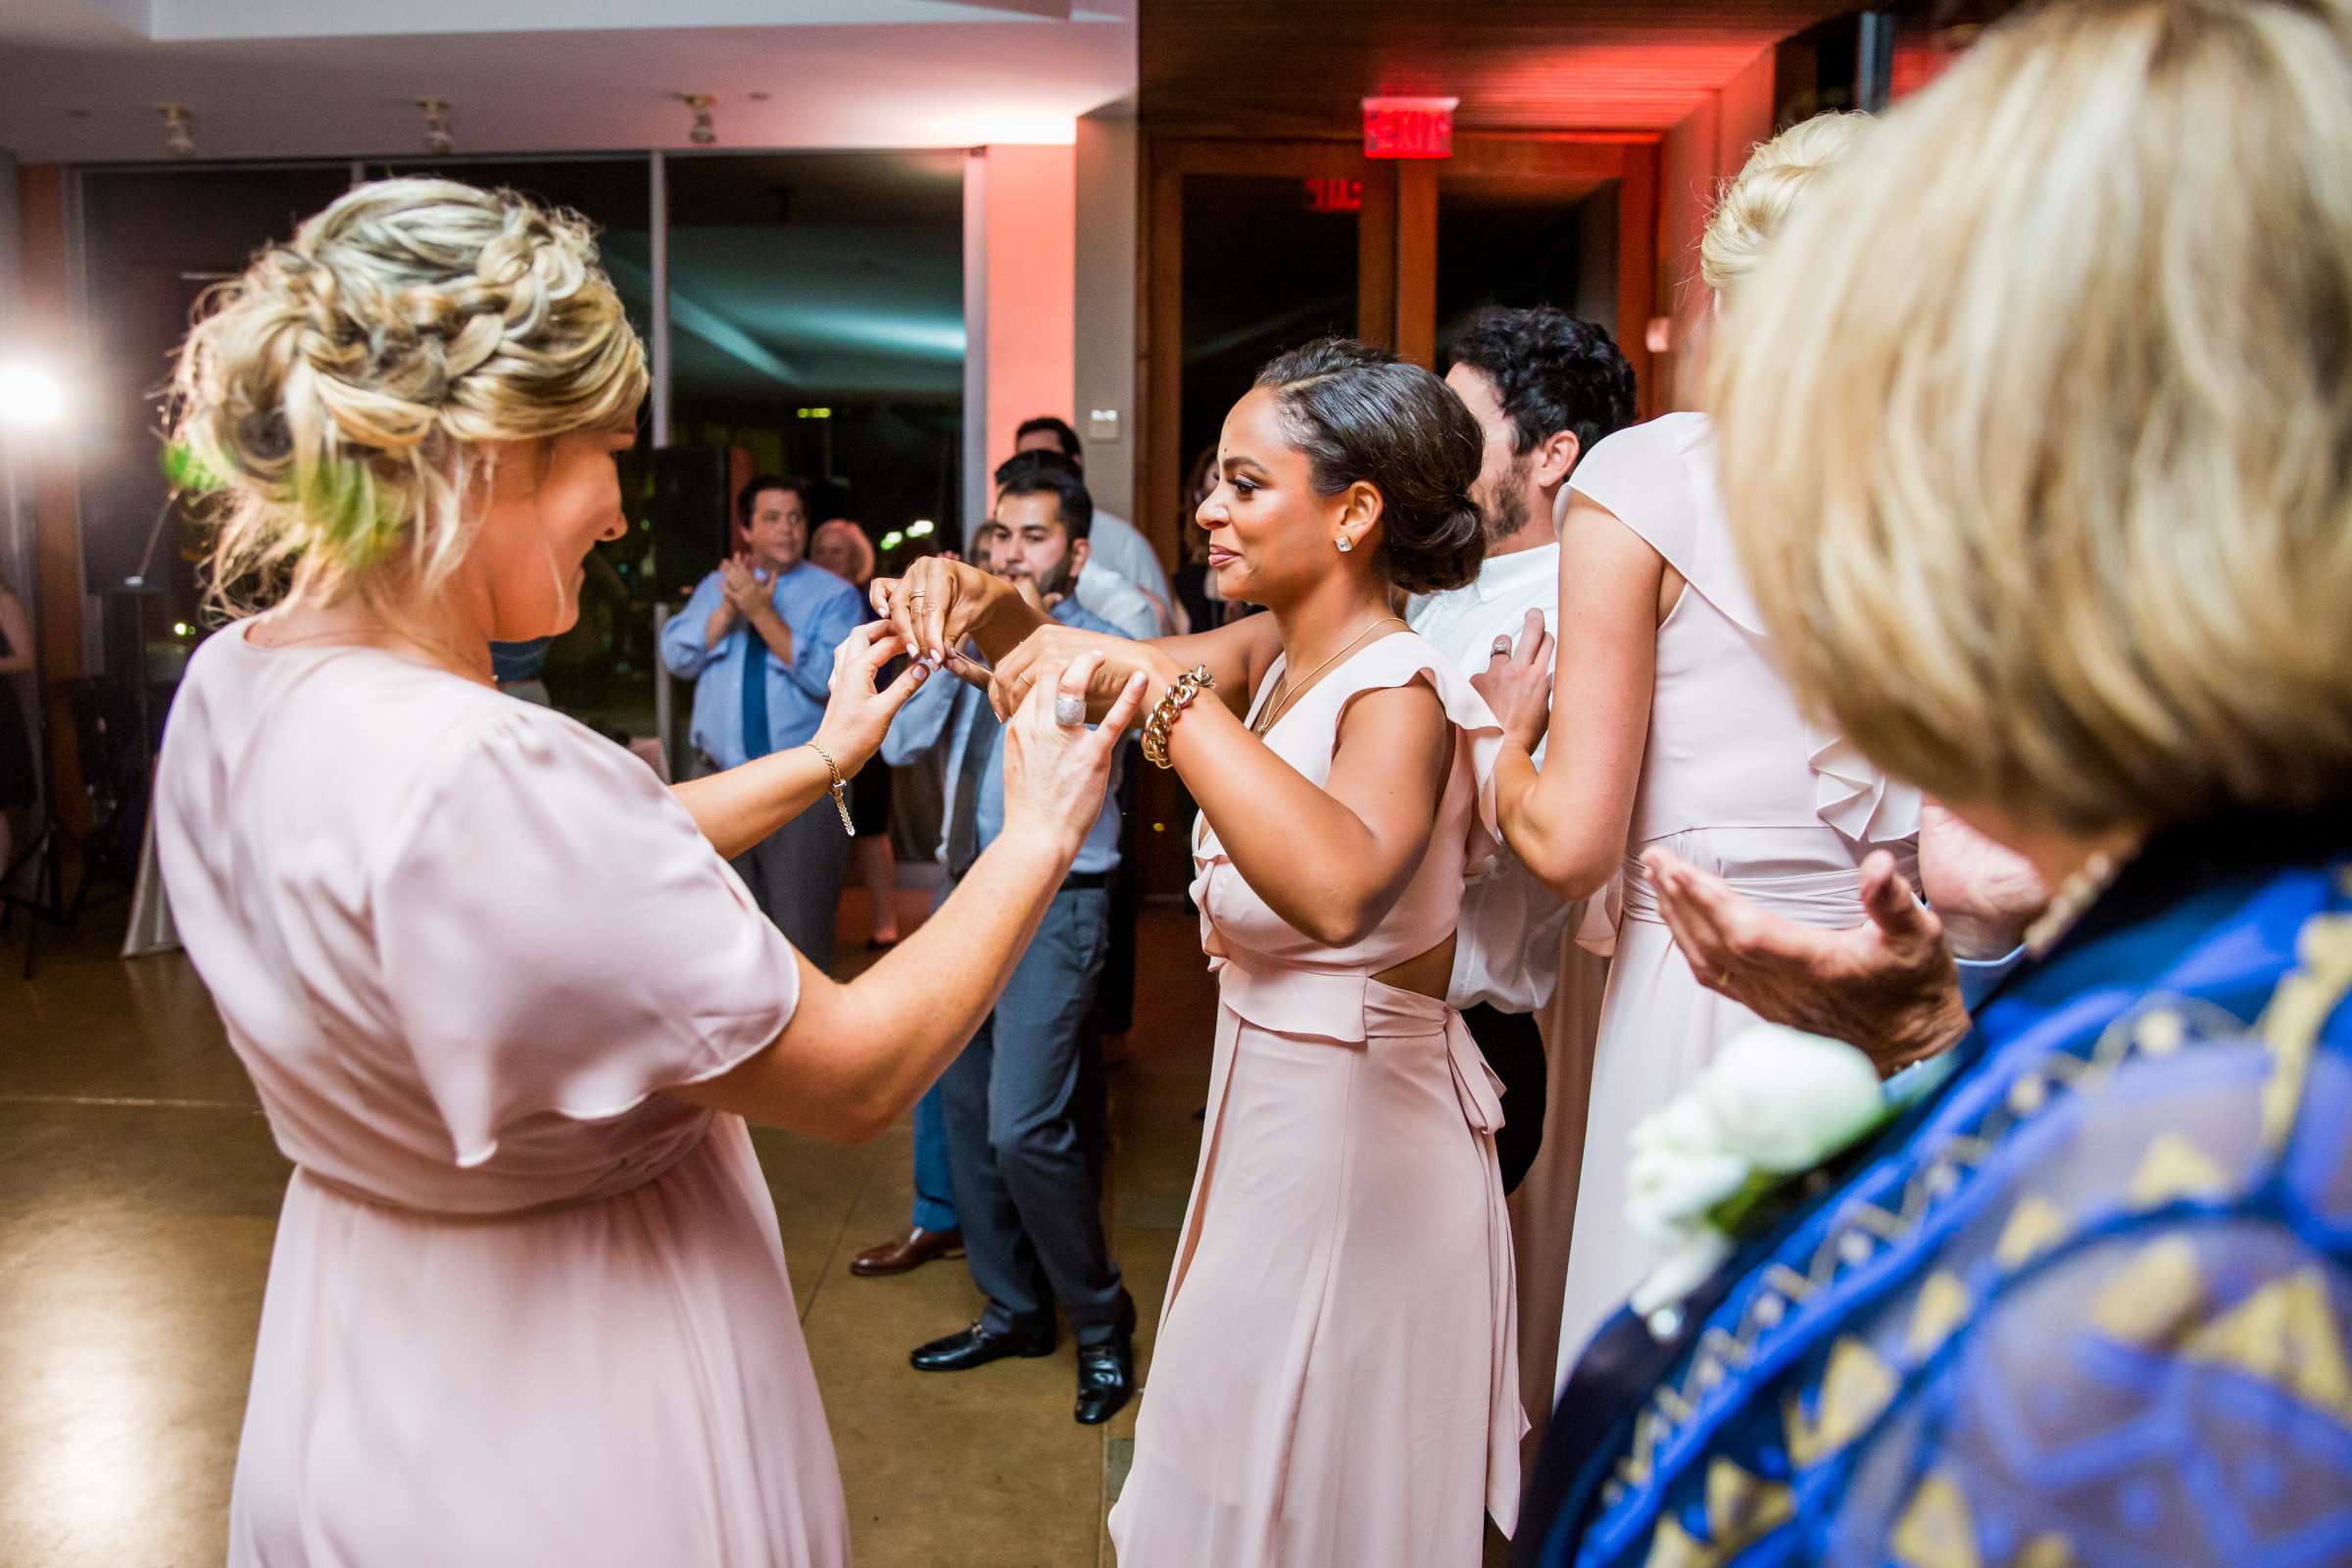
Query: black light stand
x,y
48,902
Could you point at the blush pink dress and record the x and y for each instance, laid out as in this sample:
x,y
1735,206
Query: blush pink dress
x,y
524,1309
1736,780
1335,1380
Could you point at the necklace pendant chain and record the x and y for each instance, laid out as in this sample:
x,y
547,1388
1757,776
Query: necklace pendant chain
x,y
1285,689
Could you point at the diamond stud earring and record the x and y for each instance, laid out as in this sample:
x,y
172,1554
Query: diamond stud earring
x,y
1345,543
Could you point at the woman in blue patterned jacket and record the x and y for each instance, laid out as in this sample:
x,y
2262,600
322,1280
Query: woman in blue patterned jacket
x,y
2037,431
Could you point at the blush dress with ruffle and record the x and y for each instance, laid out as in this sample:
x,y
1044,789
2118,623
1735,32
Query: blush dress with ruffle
x,y
524,1309
1334,1382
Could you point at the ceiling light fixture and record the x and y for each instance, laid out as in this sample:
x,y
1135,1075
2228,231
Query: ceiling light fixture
x,y
437,140
704,133
179,139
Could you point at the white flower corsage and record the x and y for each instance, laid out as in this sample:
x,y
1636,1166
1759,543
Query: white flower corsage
x,y
1773,1104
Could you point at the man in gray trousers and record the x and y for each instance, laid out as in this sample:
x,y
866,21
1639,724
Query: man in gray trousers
x,y
1023,1106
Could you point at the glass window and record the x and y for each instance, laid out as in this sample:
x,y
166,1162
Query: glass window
x,y
816,329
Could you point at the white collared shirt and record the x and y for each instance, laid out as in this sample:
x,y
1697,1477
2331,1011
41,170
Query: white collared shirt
x,y
1507,951
1101,591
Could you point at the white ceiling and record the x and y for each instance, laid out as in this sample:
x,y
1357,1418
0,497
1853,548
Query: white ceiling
x,y
79,80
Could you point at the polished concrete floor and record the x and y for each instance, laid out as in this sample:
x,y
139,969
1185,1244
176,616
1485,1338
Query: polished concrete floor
x,y
139,1190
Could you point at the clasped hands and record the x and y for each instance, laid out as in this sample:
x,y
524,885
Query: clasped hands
x,y
745,591
940,605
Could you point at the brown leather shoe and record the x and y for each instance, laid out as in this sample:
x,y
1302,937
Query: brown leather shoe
x,y
908,1252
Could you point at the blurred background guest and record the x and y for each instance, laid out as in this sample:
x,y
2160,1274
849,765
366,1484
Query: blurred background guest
x,y
1671,726
1120,550
842,548
1545,388
2054,521
758,638
1194,585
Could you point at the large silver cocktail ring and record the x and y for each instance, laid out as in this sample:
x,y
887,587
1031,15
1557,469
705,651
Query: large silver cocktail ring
x,y
1502,646
1068,710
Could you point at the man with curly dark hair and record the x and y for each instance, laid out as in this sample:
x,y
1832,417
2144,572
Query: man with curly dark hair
x,y
1544,387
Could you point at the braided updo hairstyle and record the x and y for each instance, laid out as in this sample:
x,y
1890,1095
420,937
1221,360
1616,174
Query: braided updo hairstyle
x,y
1360,413
334,400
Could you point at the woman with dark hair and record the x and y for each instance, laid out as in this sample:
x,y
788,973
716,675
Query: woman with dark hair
x,y
1334,1375
1194,585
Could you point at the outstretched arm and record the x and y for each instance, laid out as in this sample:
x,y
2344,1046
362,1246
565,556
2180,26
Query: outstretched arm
x,y
857,1055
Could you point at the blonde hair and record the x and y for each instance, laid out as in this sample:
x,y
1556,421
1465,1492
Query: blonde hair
x,y
1757,202
334,400
2036,429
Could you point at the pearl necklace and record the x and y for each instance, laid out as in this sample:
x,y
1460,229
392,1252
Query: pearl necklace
x,y
2076,895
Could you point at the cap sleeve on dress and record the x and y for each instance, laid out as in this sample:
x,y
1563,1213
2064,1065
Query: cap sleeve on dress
x,y
1658,479
556,935
1395,661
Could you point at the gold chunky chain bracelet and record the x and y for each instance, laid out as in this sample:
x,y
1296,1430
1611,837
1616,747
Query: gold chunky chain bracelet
x,y
1170,707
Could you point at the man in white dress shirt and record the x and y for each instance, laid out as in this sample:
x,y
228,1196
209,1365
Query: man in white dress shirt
x,y
1543,387
1121,552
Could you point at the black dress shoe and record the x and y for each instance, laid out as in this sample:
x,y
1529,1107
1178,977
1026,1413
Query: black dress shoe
x,y
1107,1374
980,1344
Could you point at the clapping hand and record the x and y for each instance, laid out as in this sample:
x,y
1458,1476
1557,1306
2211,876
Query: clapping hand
x,y
741,585
1887,986
1985,895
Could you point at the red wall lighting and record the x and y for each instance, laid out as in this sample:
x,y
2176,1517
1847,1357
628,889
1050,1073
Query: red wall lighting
x,y
1409,127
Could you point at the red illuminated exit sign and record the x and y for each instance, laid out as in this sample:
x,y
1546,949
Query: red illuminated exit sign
x,y
1408,127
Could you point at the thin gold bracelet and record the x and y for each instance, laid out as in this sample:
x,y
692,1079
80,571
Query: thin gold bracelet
x,y
839,786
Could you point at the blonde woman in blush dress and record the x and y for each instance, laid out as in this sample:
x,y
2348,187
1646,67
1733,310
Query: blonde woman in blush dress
x,y
1670,730
506,1005
1333,1381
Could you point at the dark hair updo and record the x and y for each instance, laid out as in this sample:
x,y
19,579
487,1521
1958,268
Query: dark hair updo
x,y
1361,414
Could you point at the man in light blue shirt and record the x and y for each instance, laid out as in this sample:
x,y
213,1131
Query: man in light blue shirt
x,y
757,639
1022,1107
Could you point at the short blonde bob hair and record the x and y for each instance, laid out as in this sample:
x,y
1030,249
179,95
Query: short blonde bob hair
x,y
1756,203
336,398
2035,428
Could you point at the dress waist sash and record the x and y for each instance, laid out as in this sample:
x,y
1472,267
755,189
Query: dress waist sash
x,y
1828,896
1348,1009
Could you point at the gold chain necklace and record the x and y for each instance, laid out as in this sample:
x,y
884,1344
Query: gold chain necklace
x,y
1283,688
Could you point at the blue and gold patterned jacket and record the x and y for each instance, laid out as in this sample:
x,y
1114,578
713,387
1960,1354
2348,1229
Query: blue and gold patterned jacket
x,y
2087,1304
